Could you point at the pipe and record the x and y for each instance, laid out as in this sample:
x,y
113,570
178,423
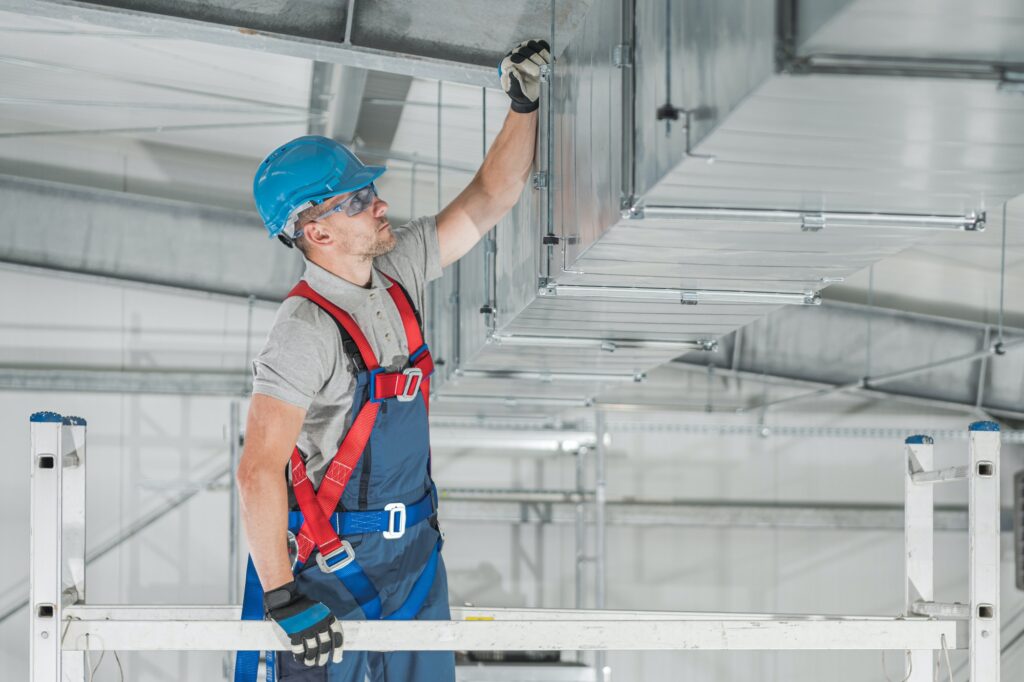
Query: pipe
x,y
684,296
601,527
234,449
871,382
815,220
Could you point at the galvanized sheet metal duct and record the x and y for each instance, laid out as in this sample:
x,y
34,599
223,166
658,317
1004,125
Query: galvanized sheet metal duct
x,y
825,148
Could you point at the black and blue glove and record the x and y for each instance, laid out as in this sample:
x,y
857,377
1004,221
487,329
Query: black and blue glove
x,y
314,632
520,74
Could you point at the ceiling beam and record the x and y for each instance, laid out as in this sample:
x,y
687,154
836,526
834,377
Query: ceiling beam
x,y
323,33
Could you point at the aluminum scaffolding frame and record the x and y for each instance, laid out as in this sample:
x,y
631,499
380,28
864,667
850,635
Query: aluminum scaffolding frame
x,y
63,626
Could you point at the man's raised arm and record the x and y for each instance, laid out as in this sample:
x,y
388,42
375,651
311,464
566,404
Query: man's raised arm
x,y
496,187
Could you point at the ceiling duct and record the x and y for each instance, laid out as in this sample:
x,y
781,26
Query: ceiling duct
x,y
700,165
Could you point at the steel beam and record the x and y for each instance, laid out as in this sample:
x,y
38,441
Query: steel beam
x,y
182,20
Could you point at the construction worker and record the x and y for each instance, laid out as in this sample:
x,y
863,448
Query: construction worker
x,y
340,394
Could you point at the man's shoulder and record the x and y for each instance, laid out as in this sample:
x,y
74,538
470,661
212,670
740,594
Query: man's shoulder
x,y
299,314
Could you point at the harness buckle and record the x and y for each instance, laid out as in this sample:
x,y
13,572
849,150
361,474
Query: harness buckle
x,y
396,521
413,379
322,560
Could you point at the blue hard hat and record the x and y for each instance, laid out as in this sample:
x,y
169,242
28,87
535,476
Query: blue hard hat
x,y
304,172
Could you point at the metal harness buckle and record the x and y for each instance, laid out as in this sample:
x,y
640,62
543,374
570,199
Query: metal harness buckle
x,y
413,379
396,521
346,547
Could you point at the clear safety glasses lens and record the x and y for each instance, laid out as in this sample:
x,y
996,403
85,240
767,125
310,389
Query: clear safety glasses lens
x,y
360,201
355,204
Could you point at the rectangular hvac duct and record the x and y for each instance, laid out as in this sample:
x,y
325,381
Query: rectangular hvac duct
x,y
705,166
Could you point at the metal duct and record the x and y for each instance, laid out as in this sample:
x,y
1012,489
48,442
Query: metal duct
x,y
773,178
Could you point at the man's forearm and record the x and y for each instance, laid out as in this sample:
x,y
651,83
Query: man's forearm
x,y
264,502
504,171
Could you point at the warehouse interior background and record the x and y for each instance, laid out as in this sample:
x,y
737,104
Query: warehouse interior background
x,y
752,463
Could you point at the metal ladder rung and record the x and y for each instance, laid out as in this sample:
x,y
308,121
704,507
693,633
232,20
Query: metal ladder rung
x,y
957,473
955,611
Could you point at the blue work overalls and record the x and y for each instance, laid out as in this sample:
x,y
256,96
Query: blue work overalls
x,y
392,577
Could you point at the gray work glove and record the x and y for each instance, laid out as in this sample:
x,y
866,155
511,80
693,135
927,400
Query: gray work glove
x,y
520,74
314,633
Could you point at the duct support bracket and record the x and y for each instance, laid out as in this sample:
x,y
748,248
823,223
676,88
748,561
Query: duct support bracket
x,y
622,55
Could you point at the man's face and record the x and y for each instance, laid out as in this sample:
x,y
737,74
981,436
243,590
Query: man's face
x,y
367,234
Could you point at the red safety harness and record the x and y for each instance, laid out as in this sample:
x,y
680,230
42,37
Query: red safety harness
x,y
318,505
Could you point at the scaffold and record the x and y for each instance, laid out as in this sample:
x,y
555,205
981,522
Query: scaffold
x,y
64,626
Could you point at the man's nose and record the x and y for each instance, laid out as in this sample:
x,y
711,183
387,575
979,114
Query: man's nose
x,y
379,208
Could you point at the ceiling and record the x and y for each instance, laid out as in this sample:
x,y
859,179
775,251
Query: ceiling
x,y
142,114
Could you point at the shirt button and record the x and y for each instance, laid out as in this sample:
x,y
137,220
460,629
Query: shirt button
x,y
380,315
387,335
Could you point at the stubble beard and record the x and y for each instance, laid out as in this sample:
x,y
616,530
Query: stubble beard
x,y
383,244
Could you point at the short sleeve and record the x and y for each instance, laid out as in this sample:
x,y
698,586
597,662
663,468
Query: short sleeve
x,y
294,364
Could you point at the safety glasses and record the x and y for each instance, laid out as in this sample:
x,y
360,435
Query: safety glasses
x,y
355,204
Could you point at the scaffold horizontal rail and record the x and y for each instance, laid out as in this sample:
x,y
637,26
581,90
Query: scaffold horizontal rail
x,y
213,629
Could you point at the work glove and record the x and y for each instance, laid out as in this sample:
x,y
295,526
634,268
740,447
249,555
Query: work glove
x,y
520,74
314,632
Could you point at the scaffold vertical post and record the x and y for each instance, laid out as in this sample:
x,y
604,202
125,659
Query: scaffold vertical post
x,y
72,530
56,560
983,529
919,556
600,527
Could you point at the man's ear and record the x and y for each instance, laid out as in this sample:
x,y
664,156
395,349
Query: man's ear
x,y
316,233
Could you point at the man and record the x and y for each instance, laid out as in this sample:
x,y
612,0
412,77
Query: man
x,y
340,398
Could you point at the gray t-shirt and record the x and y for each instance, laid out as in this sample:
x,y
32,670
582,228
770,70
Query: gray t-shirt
x,y
303,361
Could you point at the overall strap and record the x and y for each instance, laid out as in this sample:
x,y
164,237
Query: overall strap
x,y
419,354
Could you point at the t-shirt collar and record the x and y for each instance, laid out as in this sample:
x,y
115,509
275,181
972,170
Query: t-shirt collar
x,y
340,291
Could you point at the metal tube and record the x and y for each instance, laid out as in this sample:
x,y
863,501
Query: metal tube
x,y
688,296
971,221
349,15
580,525
234,450
513,402
600,527
871,382
918,544
984,543
600,506
547,376
609,345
